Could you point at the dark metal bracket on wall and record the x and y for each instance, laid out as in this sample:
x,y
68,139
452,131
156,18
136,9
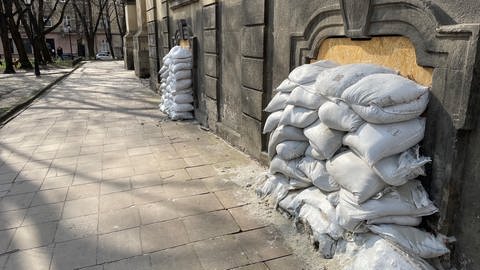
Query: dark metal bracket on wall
x,y
184,32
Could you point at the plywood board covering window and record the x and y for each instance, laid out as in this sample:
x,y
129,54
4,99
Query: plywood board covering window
x,y
396,52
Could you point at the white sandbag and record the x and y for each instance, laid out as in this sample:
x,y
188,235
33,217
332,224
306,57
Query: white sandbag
x,y
275,185
163,69
287,168
399,220
302,96
187,91
282,204
180,66
354,175
392,114
183,98
179,115
315,171
411,199
308,72
272,121
412,240
284,133
384,90
324,140
337,115
289,150
311,152
334,81
333,198
181,60
178,107
182,84
398,169
179,52
374,142
298,116
286,86
182,74
278,102
378,254
319,225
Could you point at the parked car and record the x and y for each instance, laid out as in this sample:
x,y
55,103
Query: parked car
x,y
103,56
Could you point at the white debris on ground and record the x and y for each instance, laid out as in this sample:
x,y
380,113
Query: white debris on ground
x,y
176,84
344,157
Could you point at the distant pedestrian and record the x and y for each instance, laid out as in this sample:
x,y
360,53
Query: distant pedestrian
x,y
60,52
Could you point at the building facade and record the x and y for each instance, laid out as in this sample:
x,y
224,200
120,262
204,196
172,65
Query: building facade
x,y
244,49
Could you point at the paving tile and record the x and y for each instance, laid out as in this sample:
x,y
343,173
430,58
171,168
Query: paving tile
x,y
196,161
75,254
12,219
115,185
197,204
49,196
218,183
33,236
136,263
159,236
117,220
15,202
210,225
78,227
137,151
37,258
119,245
83,191
7,178
171,164
146,180
43,213
202,171
231,198
95,267
87,177
81,207
286,263
5,238
178,189
182,257
159,211
256,266
57,182
263,244
175,175
24,187
220,253
245,219
32,175
117,173
114,201
150,194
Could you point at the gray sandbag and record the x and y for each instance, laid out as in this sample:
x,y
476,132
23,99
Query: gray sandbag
x,y
289,150
316,171
324,140
303,96
298,117
278,102
288,168
311,152
307,73
272,122
336,114
281,134
334,81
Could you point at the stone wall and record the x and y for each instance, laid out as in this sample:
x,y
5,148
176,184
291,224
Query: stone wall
x,y
245,48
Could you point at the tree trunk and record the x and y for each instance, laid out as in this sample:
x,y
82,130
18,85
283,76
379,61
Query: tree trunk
x,y
17,38
5,42
91,46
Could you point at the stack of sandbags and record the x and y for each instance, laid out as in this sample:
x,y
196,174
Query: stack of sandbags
x,y
353,134
176,84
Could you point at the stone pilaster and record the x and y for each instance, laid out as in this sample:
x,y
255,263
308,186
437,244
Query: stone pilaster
x,y
140,42
131,23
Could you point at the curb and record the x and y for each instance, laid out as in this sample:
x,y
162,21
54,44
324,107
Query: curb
x,y
17,109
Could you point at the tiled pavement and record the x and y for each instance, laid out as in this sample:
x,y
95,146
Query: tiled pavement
x,y
93,177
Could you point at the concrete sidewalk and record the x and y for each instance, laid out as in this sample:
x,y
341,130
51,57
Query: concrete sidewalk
x,y
93,176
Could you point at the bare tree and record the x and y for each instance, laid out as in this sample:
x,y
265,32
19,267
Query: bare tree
x,y
16,36
120,19
5,40
107,26
89,12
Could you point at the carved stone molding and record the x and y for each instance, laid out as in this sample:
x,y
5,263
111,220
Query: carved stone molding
x,y
356,17
173,4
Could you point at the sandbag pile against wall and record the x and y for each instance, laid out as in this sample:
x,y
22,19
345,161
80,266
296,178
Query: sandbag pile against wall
x,y
344,155
176,84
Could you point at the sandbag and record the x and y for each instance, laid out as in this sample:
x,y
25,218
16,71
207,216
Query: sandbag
x,y
180,52
178,107
384,90
399,220
334,81
302,96
299,184
398,169
354,175
412,240
298,116
181,60
315,171
275,185
284,133
181,84
338,115
180,66
287,168
374,142
282,204
181,115
289,150
278,102
286,86
392,114
411,199
308,72
311,152
324,140
183,98
272,121
182,74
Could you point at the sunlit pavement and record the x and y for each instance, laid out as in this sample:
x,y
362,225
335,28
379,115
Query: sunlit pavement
x,y
93,176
